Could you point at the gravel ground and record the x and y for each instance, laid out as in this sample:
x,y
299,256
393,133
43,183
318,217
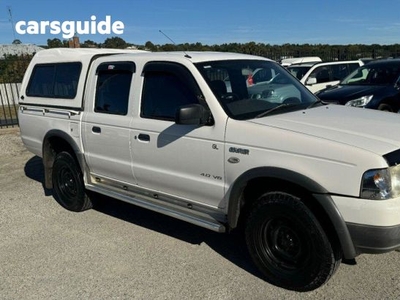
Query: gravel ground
x,y
118,251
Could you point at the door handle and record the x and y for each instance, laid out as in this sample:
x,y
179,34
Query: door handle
x,y
96,129
144,137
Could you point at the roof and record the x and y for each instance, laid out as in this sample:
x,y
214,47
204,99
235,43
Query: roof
x,y
302,65
295,60
74,53
389,61
86,54
202,56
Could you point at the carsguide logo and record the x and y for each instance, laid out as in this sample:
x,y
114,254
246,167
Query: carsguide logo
x,y
70,28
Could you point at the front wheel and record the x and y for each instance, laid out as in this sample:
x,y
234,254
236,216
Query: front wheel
x,y
68,183
385,107
288,244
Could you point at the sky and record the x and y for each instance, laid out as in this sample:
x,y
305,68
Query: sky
x,y
210,22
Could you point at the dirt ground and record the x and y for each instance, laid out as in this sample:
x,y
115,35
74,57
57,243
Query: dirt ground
x,y
118,251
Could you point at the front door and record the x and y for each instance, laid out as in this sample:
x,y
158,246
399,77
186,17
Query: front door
x,y
185,161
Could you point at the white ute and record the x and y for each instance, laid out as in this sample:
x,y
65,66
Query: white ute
x,y
184,135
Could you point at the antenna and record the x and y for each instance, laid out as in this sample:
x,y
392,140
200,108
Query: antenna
x,y
11,20
186,55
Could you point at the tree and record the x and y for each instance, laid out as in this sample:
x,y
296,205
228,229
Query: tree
x,y
150,46
89,44
115,42
168,47
16,42
12,67
55,43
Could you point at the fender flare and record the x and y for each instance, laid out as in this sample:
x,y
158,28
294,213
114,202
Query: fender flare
x,y
48,154
319,193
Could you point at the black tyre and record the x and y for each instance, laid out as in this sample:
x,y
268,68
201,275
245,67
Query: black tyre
x,y
385,107
68,183
288,244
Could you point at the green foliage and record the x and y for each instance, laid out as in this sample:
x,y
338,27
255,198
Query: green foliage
x,y
278,52
89,44
56,43
12,68
275,52
115,42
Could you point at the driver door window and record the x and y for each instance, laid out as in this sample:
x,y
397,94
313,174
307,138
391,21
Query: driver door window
x,y
321,74
163,94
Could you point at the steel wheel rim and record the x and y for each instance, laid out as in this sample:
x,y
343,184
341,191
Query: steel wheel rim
x,y
282,245
67,183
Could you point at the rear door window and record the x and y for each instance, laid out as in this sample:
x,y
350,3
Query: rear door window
x,y
340,71
113,87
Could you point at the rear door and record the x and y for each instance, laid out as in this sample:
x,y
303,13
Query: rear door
x,y
106,124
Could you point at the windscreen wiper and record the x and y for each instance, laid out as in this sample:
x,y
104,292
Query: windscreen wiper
x,y
279,107
315,103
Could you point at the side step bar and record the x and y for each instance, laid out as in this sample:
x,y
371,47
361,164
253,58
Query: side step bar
x,y
177,212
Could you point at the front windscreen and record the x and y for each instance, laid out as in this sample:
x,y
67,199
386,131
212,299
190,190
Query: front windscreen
x,y
248,89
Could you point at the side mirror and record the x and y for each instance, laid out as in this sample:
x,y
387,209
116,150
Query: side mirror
x,y
311,81
193,114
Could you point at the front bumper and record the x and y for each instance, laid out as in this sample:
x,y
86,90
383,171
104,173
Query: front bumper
x,y
372,239
373,225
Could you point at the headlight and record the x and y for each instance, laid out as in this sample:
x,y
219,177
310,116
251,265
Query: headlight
x,y
360,102
381,184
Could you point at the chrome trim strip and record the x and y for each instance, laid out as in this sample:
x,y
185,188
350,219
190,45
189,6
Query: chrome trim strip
x,y
44,111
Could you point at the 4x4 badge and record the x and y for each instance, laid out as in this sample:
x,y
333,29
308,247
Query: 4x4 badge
x,y
239,150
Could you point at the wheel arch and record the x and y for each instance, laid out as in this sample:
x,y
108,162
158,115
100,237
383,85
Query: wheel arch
x,y
54,142
256,181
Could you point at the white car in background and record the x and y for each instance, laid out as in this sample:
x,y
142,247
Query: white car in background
x,y
300,60
319,76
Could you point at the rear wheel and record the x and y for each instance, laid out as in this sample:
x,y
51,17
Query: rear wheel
x,y
288,244
68,183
